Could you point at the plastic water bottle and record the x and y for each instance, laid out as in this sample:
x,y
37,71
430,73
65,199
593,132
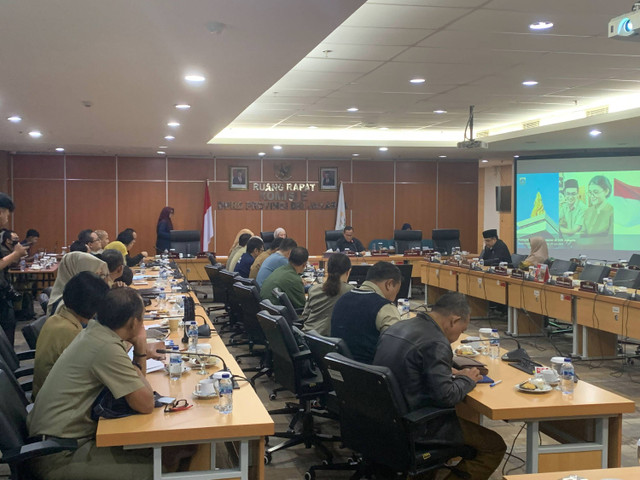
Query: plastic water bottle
x,y
143,268
225,393
192,333
23,265
567,377
494,344
175,364
162,277
609,285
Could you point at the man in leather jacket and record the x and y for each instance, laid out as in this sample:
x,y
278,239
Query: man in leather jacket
x,y
418,351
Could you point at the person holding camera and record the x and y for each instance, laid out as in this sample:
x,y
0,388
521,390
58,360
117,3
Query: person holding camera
x,y
11,251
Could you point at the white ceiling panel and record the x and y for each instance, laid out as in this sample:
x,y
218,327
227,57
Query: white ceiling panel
x,y
384,15
356,52
330,65
347,35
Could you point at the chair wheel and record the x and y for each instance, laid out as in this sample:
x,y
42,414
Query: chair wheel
x,y
308,476
325,462
273,396
267,458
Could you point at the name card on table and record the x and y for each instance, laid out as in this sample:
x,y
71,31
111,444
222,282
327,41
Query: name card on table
x,y
564,282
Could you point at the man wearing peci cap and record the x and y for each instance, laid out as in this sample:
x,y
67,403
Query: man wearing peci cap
x,y
495,250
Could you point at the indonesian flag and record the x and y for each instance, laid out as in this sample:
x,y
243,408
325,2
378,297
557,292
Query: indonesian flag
x,y
207,220
626,203
341,211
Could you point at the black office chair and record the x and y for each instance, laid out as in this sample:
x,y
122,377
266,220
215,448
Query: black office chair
x,y
186,242
516,259
219,292
13,359
627,278
445,239
331,238
634,261
375,422
594,273
406,270
358,274
17,452
32,330
26,400
291,315
212,258
249,300
267,238
558,267
234,324
407,240
291,369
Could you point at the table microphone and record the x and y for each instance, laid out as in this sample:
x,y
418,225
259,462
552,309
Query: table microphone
x,y
512,356
194,354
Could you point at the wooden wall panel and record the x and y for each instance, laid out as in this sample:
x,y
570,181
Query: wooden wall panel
x,y
5,173
98,168
187,199
139,204
458,200
481,188
372,211
40,205
293,221
370,171
423,172
319,221
229,222
191,168
91,204
38,166
134,168
415,204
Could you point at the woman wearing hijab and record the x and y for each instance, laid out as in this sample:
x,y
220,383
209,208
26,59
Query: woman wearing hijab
x,y
163,230
236,250
70,265
539,252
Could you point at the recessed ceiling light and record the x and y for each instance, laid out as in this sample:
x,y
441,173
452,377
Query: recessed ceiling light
x,y
160,152
442,156
183,106
169,137
59,149
163,146
595,132
529,83
194,78
541,26
355,154
383,149
261,154
277,147
384,128
15,119
352,109
312,126
516,156
173,124
439,112
35,134
484,160
417,81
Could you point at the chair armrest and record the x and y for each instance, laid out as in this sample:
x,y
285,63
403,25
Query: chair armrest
x,y
39,449
427,414
301,356
23,372
26,386
26,355
298,325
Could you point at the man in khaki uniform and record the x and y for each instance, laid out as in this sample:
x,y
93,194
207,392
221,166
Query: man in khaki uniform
x,y
95,359
82,296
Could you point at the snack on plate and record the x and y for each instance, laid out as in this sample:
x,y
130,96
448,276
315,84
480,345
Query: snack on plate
x,y
527,385
465,350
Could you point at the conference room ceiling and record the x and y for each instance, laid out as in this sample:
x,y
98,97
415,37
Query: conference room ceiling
x,y
278,68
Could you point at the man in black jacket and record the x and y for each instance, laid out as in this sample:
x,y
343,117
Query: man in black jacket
x,y
495,250
418,352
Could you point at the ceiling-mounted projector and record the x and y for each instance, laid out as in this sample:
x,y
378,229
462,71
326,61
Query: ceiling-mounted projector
x,y
626,26
469,141
473,144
